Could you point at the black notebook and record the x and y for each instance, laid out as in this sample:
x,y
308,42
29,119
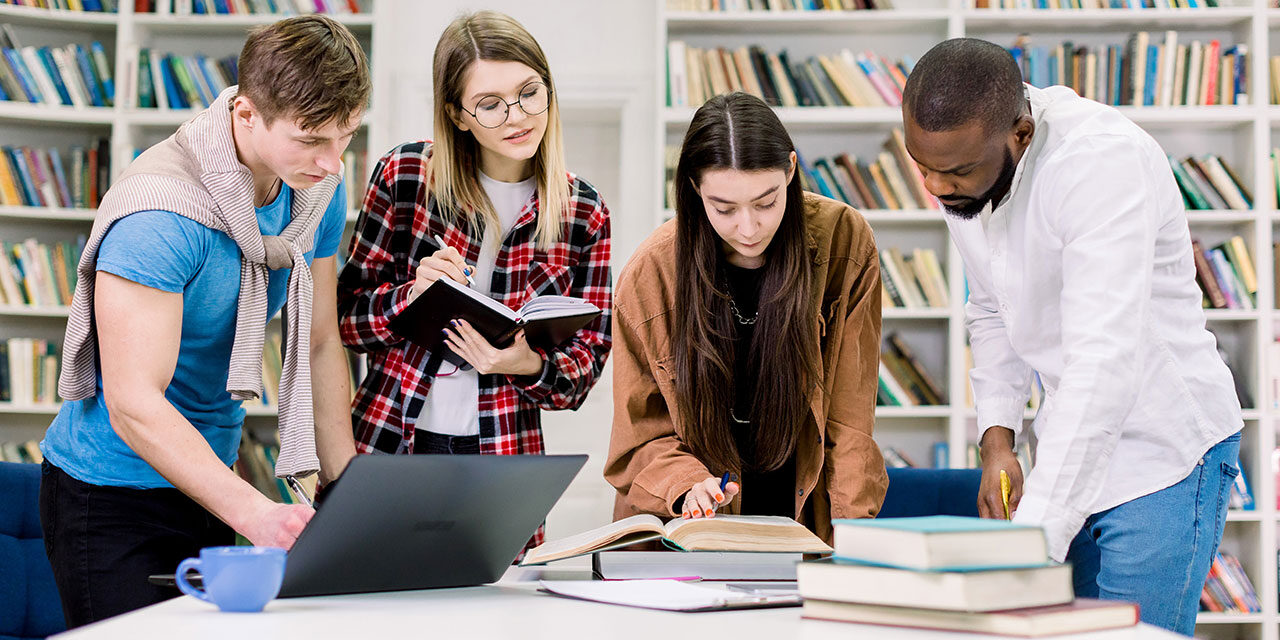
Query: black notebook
x,y
547,320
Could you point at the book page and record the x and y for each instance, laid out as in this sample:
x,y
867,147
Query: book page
x,y
587,541
553,306
477,296
777,521
744,533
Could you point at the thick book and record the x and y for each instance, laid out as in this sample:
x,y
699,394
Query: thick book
x,y
940,543
1081,616
547,320
976,590
720,533
704,565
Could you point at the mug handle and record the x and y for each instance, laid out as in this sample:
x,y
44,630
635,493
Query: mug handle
x,y
181,579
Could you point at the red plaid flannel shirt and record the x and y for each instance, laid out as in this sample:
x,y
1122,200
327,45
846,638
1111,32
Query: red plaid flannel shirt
x,y
393,234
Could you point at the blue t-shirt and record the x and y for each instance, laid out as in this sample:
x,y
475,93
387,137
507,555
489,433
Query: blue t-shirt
x,y
166,251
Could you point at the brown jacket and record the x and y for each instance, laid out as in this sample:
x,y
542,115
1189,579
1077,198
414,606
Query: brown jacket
x,y
839,470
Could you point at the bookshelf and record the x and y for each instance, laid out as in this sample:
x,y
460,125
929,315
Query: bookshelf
x,y
130,129
1242,134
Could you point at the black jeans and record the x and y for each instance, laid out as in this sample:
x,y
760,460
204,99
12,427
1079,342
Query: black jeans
x,y
432,442
103,542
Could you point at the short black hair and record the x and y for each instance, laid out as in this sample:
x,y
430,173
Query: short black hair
x,y
963,80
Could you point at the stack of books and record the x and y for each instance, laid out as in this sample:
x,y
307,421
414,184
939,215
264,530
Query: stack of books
x,y
1095,4
73,75
102,6
904,381
839,79
951,573
1226,275
33,274
1142,71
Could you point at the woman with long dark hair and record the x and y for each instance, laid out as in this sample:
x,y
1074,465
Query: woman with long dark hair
x,y
746,339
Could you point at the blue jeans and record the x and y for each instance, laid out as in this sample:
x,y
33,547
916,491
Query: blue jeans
x,y
1156,550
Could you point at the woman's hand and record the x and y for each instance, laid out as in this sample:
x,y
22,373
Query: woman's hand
x,y
517,359
705,497
445,263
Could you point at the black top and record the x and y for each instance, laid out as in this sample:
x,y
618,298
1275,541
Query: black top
x,y
769,493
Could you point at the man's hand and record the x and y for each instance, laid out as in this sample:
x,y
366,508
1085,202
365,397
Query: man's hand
x,y
997,455
276,525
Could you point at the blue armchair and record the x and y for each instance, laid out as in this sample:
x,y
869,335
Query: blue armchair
x,y
29,604
931,492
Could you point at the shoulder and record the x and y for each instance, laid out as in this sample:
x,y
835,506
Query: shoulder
x,y
407,161
646,286
837,231
586,205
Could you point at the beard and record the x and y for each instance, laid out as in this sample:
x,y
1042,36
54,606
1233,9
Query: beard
x,y
969,208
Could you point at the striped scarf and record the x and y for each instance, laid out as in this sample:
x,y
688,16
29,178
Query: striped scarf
x,y
196,174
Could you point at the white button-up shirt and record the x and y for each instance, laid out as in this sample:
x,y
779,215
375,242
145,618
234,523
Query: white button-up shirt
x,y
1085,274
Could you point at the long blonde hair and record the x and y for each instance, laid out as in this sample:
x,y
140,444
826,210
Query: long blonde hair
x,y
455,154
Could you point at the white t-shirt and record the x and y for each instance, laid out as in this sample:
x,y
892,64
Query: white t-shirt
x,y
453,405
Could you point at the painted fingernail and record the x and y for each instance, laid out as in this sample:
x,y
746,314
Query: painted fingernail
x,y
708,513
453,322
719,498
444,332
467,271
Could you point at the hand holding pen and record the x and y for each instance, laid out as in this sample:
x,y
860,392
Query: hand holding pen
x,y
705,497
446,262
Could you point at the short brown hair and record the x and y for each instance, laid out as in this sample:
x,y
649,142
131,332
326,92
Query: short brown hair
x,y
306,67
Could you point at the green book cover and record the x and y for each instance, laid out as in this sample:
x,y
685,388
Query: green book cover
x,y
146,91
1189,190
184,81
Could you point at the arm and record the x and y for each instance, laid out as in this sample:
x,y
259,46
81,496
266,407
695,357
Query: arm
x,y
856,478
648,463
330,378
375,283
1107,229
571,369
137,367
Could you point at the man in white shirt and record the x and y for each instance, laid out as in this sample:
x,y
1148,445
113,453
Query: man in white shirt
x,y
1079,263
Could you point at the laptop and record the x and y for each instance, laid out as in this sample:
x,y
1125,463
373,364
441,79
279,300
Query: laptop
x,y
424,521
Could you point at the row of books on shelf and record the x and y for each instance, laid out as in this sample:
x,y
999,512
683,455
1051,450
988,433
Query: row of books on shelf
x,y
21,452
171,81
912,281
695,75
1095,4
97,6
1228,588
29,371
904,380
45,177
242,7
73,75
940,457
256,464
272,367
1209,182
34,274
1226,275
1141,72
776,5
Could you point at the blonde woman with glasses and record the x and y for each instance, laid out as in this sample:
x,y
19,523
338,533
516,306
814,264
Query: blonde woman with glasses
x,y
493,187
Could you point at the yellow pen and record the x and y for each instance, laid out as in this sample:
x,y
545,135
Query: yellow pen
x,y
1004,492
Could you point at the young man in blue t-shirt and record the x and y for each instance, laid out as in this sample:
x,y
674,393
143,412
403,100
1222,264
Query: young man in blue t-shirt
x,y
184,269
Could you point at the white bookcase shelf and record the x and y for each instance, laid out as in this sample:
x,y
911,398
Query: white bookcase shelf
x,y
1245,134
130,129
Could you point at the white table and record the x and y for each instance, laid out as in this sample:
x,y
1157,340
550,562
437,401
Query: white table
x,y
511,608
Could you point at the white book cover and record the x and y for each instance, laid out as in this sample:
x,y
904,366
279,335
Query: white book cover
x,y
1168,63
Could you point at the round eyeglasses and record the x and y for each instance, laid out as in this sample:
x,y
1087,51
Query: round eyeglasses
x,y
492,111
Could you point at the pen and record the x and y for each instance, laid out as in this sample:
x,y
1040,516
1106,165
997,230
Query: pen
x,y
466,270
1004,492
298,491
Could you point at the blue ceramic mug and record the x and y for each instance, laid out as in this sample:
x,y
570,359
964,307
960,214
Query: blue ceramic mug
x,y
235,578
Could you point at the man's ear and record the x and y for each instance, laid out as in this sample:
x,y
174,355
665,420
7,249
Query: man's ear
x,y
1024,130
455,115
245,112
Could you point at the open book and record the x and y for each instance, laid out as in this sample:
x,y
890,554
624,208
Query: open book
x,y
547,320
721,533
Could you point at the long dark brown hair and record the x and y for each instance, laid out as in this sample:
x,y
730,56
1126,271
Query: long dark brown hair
x,y
739,131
